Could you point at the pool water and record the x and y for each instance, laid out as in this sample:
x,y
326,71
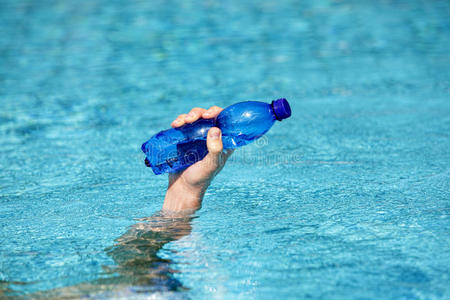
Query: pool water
x,y
347,199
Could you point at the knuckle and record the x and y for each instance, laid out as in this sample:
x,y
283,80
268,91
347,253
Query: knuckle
x,y
197,111
194,113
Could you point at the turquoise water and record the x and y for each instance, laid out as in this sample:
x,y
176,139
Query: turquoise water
x,y
348,199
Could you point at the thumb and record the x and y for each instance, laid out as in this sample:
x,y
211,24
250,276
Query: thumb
x,y
213,159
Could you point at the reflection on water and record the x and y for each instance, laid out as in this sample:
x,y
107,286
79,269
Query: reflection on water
x,y
138,269
6,291
136,252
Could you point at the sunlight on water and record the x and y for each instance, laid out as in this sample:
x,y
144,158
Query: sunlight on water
x,y
349,198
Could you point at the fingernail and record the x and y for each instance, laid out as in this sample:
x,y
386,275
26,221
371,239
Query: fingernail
x,y
191,114
214,134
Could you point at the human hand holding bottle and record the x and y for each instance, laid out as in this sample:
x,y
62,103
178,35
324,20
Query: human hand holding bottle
x,y
187,188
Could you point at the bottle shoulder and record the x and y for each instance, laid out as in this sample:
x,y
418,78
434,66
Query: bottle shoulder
x,y
244,122
246,114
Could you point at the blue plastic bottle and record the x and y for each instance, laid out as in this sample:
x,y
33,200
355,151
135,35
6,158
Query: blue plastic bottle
x,y
174,149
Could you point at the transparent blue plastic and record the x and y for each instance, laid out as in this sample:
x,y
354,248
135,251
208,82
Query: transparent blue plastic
x,y
174,149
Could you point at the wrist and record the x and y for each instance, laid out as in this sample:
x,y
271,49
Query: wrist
x,y
183,197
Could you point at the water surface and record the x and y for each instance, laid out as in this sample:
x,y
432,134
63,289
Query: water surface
x,y
347,199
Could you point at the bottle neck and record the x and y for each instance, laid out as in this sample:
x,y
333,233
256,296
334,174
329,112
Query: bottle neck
x,y
273,112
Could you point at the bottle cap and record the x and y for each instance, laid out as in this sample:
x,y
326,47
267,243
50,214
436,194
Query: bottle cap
x,y
281,109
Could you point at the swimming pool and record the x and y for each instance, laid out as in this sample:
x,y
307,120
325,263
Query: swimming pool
x,y
349,198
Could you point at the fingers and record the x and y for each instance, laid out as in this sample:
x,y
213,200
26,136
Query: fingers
x,y
214,140
214,159
212,112
179,121
195,114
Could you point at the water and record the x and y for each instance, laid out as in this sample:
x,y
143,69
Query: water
x,y
350,201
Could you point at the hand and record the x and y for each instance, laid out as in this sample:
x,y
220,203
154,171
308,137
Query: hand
x,y
186,188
